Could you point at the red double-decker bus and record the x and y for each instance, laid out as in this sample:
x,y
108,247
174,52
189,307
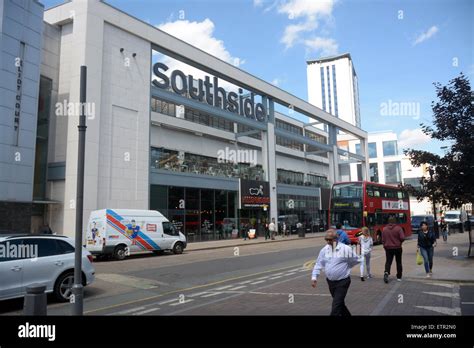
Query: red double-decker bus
x,y
369,204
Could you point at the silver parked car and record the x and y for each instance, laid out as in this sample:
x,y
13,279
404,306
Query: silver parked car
x,y
40,259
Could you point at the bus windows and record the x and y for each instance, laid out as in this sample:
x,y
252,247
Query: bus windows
x,y
376,192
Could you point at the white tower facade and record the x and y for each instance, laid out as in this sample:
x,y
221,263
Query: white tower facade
x,y
333,87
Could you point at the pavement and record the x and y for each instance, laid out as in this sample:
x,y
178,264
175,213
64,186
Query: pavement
x,y
258,277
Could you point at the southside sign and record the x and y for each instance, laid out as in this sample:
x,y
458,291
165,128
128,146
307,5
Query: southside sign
x,y
209,91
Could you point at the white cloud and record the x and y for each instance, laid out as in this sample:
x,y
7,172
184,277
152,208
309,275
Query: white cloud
x,y
293,32
426,35
200,35
409,138
306,16
326,46
276,81
306,8
257,3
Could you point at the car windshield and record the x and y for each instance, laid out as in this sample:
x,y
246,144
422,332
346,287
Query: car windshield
x,y
417,219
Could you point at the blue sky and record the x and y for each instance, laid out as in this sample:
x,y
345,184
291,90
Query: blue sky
x,y
399,48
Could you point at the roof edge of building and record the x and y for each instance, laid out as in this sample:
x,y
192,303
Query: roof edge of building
x,y
329,58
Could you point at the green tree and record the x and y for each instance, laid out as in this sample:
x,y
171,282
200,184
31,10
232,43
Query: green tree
x,y
451,179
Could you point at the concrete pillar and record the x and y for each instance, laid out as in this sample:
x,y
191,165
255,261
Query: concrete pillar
x,y
364,147
269,158
333,156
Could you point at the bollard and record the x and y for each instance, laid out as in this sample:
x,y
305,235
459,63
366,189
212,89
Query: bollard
x,y
35,300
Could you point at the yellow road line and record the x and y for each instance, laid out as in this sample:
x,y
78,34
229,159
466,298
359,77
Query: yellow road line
x,y
187,289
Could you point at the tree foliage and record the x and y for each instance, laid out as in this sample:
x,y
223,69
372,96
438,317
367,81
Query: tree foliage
x,y
452,176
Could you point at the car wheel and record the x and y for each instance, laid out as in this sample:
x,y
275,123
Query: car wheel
x,y
63,286
119,252
178,248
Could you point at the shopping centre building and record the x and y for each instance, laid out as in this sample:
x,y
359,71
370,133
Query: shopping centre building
x,y
169,127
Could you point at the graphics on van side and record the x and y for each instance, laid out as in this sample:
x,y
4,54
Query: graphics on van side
x,y
131,230
94,236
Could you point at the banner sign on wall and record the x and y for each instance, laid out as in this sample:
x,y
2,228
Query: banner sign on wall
x,y
254,194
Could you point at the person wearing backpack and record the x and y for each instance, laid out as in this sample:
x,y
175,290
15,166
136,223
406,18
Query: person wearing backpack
x,y
426,244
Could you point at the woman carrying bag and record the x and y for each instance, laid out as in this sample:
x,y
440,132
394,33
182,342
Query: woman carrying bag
x,y
426,244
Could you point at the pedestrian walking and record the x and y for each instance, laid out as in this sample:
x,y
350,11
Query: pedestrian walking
x,y
365,244
444,229
267,230
392,239
273,227
341,235
336,259
426,244
283,229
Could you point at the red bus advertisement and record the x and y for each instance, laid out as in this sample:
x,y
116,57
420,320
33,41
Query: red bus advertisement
x,y
369,204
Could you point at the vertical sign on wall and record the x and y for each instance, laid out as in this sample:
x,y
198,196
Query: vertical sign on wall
x,y
19,85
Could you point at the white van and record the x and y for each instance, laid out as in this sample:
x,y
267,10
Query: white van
x,y
121,232
455,216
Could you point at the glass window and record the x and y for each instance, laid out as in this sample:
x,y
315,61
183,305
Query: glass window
x,y
329,90
323,89
192,198
45,247
207,214
374,172
390,148
169,229
392,172
176,197
372,150
357,149
347,190
64,247
42,135
159,198
359,172
335,90
6,255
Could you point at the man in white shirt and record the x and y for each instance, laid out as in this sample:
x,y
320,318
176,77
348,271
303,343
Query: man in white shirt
x,y
273,228
336,259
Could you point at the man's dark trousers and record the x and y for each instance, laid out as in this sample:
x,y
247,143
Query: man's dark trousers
x,y
389,254
338,290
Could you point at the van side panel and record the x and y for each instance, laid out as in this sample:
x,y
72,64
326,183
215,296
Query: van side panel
x,y
133,232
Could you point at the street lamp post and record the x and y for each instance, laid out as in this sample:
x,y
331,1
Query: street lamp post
x,y
77,288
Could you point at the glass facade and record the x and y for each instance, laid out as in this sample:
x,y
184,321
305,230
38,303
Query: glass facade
x,y
304,209
329,90
200,214
317,180
374,172
185,162
289,143
336,111
316,137
179,111
390,148
393,172
323,87
42,136
290,177
372,150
